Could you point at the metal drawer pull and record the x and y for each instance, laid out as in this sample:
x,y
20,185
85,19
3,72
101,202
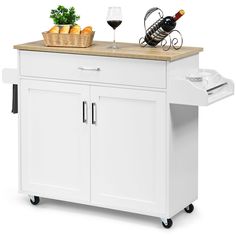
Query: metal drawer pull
x,y
216,87
94,113
89,69
14,99
85,112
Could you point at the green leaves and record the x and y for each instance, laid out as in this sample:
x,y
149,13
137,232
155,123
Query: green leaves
x,y
64,16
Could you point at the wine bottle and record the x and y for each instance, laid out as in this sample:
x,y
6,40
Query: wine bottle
x,y
159,31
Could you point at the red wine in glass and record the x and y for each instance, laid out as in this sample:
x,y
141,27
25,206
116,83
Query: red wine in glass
x,y
114,19
114,23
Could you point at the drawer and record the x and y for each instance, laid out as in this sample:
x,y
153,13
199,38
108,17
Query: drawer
x,y
112,70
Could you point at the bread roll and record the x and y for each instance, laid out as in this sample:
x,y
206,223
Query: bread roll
x,y
75,29
54,29
65,29
87,30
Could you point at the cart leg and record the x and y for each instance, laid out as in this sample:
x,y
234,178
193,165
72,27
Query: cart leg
x,y
189,208
167,223
34,200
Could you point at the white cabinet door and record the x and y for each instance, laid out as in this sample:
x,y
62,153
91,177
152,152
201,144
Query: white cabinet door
x,y
55,140
128,162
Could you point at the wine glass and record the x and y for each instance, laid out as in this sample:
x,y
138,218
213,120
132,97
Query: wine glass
x,y
114,19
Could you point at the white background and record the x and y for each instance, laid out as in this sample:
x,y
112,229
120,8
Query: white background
x,y
209,24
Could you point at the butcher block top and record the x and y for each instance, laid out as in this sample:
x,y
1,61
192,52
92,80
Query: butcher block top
x,y
126,50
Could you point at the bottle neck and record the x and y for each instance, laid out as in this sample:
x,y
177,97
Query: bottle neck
x,y
178,15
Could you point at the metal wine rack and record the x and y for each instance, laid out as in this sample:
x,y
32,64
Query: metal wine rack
x,y
167,40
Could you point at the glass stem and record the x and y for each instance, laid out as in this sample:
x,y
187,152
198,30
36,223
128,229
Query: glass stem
x,y
114,39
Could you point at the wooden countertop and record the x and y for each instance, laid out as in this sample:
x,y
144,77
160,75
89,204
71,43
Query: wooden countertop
x,y
126,50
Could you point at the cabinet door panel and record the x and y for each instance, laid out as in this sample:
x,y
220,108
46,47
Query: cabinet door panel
x,y
128,150
55,143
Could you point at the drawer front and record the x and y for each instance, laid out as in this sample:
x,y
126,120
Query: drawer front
x,y
111,70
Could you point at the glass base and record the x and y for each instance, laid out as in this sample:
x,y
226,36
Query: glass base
x,y
113,46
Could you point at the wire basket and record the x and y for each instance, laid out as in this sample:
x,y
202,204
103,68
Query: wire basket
x,y
68,40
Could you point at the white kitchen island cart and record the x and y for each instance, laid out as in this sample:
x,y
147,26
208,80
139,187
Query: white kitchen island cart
x,y
110,128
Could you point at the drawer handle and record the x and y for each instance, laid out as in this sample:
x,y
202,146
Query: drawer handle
x,y
89,69
216,87
85,112
94,113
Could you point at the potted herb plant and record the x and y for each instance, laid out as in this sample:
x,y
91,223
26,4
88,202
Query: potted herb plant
x,y
64,16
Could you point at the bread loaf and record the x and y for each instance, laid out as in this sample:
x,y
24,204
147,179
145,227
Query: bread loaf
x,y
65,29
75,29
54,29
87,30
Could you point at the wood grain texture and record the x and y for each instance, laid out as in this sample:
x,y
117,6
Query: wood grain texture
x,y
126,50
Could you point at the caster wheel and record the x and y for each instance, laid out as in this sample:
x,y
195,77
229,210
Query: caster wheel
x,y
189,208
35,200
167,223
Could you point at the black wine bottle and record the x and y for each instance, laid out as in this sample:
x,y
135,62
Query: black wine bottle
x,y
158,32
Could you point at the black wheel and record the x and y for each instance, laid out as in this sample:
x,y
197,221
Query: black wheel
x,y
168,224
35,200
189,208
